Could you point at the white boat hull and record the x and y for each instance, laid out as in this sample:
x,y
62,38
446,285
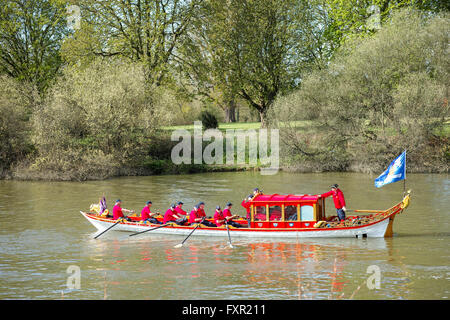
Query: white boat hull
x,y
373,230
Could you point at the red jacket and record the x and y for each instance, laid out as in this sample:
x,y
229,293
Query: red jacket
x,y
180,211
227,213
338,198
218,216
195,215
168,216
145,213
247,206
117,212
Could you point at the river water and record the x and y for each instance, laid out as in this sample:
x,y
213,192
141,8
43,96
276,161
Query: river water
x,y
45,241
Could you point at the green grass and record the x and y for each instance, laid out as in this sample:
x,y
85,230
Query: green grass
x,y
239,125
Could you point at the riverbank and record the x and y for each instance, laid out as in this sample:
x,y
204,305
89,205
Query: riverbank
x,y
157,160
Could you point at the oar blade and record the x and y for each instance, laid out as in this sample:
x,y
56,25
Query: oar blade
x,y
178,245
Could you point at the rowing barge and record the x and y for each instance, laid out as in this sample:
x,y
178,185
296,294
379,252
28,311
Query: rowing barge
x,y
279,216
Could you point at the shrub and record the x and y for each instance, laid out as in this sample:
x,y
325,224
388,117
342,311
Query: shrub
x,y
379,96
103,111
209,120
16,102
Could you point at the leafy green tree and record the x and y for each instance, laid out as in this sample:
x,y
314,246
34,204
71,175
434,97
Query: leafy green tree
x,y
249,49
148,31
387,94
30,38
356,18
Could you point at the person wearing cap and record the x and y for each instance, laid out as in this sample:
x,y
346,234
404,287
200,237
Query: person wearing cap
x,y
172,216
179,209
118,210
338,199
247,204
219,219
229,217
147,215
198,214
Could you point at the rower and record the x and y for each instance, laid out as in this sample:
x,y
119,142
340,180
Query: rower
x,y
147,215
197,214
219,219
118,211
172,216
179,209
229,217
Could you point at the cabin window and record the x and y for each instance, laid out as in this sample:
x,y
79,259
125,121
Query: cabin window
x,y
275,213
307,213
260,213
290,213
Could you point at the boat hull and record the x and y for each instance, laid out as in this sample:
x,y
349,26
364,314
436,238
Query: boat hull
x,y
373,230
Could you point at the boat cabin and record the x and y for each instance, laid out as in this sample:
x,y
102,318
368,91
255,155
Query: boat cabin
x,y
286,211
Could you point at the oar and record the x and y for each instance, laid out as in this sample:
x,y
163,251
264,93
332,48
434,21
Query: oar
x,y
181,244
118,221
229,237
150,229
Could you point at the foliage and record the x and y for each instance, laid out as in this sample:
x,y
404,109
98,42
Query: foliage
x,y
30,36
251,49
148,31
105,113
16,102
389,94
348,19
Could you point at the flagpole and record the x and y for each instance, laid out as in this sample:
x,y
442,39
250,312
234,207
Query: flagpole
x,y
404,180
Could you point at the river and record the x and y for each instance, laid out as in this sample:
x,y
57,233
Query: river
x,y
44,239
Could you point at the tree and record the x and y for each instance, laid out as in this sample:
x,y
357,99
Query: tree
x,y
148,31
30,35
359,18
250,49
388,93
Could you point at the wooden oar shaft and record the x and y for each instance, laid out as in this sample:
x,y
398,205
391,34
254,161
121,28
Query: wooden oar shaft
x,y
229,237
149,229
181,244
118,221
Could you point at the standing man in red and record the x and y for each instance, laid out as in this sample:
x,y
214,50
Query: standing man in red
x,y
118,210
338,199
247,204
229,217
147,215
172,216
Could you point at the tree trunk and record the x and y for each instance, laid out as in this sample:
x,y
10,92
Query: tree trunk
x,y
262,118
230,111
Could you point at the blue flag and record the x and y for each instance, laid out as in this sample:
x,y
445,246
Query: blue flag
x,y
395,172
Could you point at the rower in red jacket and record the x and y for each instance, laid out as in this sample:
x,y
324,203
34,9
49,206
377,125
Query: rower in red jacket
x,y
198,214
117,211
147,215
179,209
218,217
338,199
229,217
172,216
